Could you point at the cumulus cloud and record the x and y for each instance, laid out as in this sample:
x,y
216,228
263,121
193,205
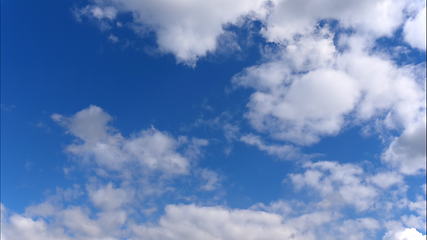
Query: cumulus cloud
x,y
355,229
178,222
408,152
187,29
22,228
405,234
112,214
332,187
150,150
66,224
192,222
314,86
338,183
386,179
312,83
299,107
415,30
376,18
108,197
195,222
312,89
192,29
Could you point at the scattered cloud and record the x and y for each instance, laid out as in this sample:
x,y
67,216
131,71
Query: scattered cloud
x,y
148,150
211,178
337,184
320,73
280,151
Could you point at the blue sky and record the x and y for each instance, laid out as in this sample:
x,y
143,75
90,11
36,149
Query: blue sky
x,y
166,120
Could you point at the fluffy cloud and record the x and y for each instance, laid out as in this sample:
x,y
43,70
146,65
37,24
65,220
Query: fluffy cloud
x,y
415,30
333,186
405,234
306,112
211,223
300,107
66,224
22,228
314,86
312,89
111,213
192,29
178,222
408,152
312,83
150,150
187,29
377,18
109,198
338,184
386,179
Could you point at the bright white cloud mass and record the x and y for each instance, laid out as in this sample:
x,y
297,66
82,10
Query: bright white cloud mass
x,y
322,70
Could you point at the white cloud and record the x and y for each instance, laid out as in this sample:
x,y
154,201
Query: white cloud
x,y
417,217
21,228
385,87
310,89
178,222
77,221
192,29
405,234
97,12
330,224
300,107
338,184
157,150
280,151
109,198
211,178
65,224
150,149
414,221
307,112
358,229
419,206
376,18
415,30
187,29
386,179
212,223
408,152
116,215
64,219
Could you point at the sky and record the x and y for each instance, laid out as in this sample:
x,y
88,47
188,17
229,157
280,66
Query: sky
x,y
213,120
